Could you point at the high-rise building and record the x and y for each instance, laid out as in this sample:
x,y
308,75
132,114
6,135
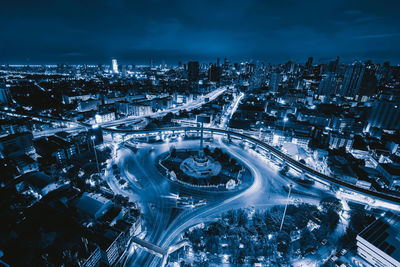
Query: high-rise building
x,y
274,81
352,79
193,71
308,66
379,244
385,115
214,73
115,66
368,83
328,85
5,95
333,65
226,64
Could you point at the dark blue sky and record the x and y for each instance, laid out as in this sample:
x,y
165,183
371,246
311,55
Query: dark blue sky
x,y
94,31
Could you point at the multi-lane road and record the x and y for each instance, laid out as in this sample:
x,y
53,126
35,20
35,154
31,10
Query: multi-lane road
x,y
165,221
73,126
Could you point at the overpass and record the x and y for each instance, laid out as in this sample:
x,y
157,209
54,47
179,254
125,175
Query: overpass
x,y
322,178
158,251
325,179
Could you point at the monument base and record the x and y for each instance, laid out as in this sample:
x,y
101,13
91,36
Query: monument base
x,y
200,166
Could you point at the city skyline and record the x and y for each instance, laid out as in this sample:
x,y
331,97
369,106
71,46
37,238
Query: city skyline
x,y
94,32
199,133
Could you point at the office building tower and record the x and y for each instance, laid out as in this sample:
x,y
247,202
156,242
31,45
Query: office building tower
x,y
115,66
384,115
308,66
193,71
226,64
328,85
379,243
333,65
368,83
274,81
5,95
352,80
214,73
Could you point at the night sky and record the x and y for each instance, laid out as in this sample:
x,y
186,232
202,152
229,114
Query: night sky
x,y
94,31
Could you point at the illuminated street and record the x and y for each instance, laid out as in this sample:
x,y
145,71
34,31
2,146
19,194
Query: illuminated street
x,y
200,133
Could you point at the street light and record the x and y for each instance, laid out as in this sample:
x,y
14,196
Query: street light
x,y
287,202
285,119
95,153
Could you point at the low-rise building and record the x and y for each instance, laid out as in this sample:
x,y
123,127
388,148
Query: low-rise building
x,y
56,147
105,117
38,182
111,245
93,205
16,144
337,140
391,173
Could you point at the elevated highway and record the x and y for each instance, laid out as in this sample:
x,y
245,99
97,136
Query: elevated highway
x,y
322,178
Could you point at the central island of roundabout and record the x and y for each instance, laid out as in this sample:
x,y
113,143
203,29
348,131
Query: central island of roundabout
x,y
206,168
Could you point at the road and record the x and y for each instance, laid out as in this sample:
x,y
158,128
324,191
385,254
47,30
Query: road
x,y
225,118
165,222
127,120
359,193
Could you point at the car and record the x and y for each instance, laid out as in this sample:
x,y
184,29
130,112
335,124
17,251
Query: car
x,y
334,258
343,252
324,242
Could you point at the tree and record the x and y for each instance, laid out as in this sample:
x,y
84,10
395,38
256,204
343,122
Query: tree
x,y
242,217
283,242
332,219
331,202
307,241
359,219
173,152
195,238
212,244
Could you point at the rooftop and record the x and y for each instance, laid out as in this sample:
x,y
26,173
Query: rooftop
x,y
92,203
385,235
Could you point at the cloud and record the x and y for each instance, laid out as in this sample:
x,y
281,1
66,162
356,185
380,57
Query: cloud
x,y
376,36
72,54
352,12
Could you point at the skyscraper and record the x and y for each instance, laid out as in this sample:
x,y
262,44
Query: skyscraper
x,y
115,66
333,65
385,115
328,85
308,65
5,95
214,73
352,79
274,82
193,71
368,82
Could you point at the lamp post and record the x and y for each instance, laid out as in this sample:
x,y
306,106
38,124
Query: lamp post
x,y
285,119
95,153
287,202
